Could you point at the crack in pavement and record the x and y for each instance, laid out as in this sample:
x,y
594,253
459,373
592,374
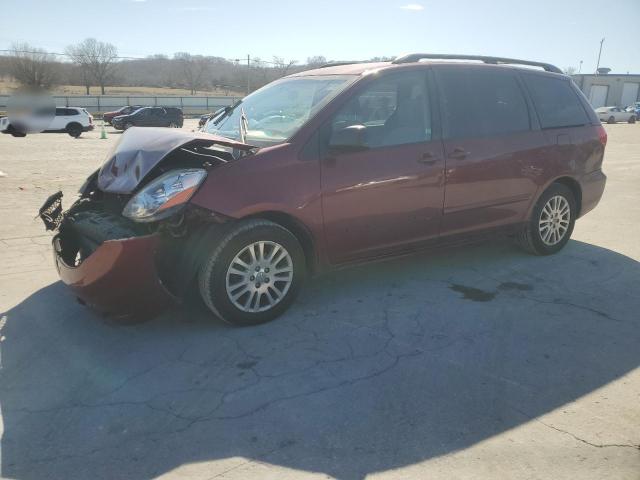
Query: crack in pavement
x,y
574,436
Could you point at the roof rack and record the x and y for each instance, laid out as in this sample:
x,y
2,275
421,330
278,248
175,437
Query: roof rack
x,y
414,57
338,64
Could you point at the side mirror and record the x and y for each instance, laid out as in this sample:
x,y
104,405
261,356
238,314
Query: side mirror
x,y
348,139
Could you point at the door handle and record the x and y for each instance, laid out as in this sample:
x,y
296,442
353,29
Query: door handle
x,y
427,158
459,153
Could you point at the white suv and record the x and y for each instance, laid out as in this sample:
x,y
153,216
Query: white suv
x,y
72,120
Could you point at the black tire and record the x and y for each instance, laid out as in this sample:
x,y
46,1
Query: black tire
x,y
530,237
632,119
173,125
612,119
74,129
15,132
212,276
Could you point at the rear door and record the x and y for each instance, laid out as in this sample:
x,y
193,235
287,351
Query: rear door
x,y
144,118
492,150
387,195
59,122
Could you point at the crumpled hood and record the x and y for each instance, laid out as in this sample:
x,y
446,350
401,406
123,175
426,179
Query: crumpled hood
x,y
141,149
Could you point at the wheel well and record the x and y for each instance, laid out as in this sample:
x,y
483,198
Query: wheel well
x,y
575,188
72,124
299,230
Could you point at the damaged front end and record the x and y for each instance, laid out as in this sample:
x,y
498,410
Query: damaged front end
x,y
129,246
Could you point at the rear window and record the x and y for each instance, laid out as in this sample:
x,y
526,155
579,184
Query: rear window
x,y
556,102
66,112
481,103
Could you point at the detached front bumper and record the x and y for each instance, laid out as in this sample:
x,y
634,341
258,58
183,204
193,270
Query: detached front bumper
x,y
118,277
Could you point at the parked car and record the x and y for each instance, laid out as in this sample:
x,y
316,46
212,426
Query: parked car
x,y
615,114
150,117
328,168
635,108
71,120
108,116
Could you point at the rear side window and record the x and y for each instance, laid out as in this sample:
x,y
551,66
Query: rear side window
x,y
481,103
556,102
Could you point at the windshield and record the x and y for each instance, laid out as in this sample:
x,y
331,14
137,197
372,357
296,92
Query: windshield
x,y
275,112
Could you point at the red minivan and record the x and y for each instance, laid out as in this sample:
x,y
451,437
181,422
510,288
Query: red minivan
x,y
344,164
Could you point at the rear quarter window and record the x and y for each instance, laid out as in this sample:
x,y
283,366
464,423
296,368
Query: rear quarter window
x,y
481,102
555,101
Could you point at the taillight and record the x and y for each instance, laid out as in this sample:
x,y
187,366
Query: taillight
x,y
602,135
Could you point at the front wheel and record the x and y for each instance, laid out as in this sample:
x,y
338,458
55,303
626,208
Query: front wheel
x,y
551,222
632,119
611,120
254,274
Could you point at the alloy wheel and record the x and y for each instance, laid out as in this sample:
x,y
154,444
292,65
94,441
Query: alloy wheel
x,y
259,276
554,220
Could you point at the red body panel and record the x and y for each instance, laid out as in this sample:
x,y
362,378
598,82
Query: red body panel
x,y
119,278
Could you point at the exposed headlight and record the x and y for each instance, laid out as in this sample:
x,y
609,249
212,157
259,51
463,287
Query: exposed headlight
x,y
164,195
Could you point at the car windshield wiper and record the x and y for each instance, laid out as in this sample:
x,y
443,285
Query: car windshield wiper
x,y
226,112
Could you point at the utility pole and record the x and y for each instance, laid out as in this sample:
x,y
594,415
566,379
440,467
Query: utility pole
x,y
599,53
248,74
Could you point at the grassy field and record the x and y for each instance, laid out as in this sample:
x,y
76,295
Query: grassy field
x,y
8,86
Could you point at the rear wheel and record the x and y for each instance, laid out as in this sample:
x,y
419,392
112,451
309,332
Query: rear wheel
x,y
254,274
632,119
551,222
74,129
612,119
173,125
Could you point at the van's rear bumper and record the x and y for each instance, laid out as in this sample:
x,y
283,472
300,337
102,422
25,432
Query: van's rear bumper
x,y
592,189
119,278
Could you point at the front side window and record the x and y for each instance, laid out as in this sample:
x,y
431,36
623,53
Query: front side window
x,y
278,110
556,102
481,102
392,111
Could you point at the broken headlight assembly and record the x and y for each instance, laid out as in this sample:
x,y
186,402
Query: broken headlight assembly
x,y
165,195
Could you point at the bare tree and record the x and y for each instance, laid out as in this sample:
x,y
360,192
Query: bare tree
x,y
32,67
97,60
281,66
570,70
316,61
195,69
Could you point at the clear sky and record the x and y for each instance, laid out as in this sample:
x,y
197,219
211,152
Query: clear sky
x,y
562,32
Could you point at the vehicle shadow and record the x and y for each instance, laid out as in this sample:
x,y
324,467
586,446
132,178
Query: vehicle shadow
x,y
374,368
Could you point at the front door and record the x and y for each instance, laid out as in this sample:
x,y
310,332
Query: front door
x,y
386,193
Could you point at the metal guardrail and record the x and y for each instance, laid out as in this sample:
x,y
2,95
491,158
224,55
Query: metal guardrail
x,y
105,103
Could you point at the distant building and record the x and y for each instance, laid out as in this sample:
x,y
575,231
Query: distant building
x,y
610,89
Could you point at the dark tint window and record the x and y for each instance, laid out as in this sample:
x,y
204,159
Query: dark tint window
x,y
481,103
556,102
64,112
394,111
